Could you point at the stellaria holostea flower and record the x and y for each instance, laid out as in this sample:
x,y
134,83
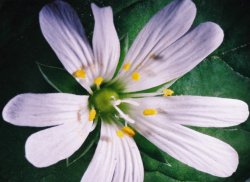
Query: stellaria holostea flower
x,y
163,51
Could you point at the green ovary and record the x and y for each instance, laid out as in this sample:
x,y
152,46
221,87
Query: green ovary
x,y
102,100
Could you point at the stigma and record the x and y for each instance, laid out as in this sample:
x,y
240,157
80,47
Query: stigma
x,y
117,102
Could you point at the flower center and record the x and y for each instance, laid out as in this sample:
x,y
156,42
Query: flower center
x,y
102,100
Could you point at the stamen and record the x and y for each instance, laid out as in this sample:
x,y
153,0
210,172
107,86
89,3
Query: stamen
x,y
115,103
150,112
126,66
79,73
168,92
123,115
145,94
136,76
118,102
92,114
129,102
98,81
129,131
119,133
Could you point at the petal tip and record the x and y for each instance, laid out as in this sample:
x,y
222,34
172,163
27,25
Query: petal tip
x,y
191,5
230,169
93,6
9,109
245,110
29,154
241,109
5,113
215,32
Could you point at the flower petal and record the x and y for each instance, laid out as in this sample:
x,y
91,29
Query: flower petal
x,y
106,43
102,166
39,110
62,29
195,110
167,26
129,166
119,158
197,150
49,146
179,58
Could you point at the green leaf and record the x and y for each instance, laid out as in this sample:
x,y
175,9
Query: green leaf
x,y
61,80
157,176
124,43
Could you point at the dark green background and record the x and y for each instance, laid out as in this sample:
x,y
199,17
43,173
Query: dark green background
x,y
225,73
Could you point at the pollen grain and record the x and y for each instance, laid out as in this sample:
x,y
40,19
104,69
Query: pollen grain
x,y
119,133
126,66
136,76
150,112
129,131
98,81
92,114
167,92
79,73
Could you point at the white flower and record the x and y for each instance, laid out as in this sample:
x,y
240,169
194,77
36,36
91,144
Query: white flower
x,y
163,51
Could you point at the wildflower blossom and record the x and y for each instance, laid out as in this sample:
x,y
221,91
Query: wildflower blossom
x,y
164,50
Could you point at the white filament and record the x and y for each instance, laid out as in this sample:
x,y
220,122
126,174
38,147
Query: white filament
x,y
122,114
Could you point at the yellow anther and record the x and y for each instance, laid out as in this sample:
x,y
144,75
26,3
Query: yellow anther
x,y
129,131
92,114
119,133
98,81
150,112
168,92
126,66
136,76
79,73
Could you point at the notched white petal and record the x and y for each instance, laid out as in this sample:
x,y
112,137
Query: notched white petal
x,y
196,110
129,166
39,110
62,29
197,150
116,158
163,29
52,145
179,58
102,165
106,45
